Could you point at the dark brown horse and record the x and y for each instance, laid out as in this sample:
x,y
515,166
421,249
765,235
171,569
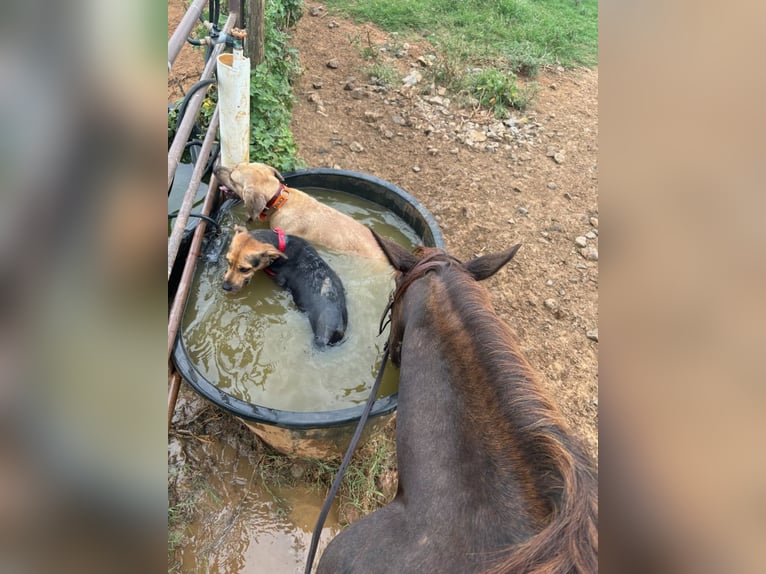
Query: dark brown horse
x,y
490,478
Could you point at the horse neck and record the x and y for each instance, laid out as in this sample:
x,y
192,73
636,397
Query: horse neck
x,y
470,403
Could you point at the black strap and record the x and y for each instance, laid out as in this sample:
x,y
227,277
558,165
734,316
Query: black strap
x,y
343,465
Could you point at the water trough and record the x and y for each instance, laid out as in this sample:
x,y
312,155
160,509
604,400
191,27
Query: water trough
x,y
320,434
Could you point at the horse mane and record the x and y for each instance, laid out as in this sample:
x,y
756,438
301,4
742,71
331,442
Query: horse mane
x,y
563,473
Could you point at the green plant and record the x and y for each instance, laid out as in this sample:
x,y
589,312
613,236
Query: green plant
x,y
271,95
498,91
386,74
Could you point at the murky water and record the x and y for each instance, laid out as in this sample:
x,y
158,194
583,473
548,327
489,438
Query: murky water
x,y
257,346
246,526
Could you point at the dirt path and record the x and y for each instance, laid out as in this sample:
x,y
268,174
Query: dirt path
x,y
487,190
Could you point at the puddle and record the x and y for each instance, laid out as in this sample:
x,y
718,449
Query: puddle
x,y
246,526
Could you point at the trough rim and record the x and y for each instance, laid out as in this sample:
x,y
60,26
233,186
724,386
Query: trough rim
x,y
299,420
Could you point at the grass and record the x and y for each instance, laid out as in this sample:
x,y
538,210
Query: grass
x,y
521,34
359,487
484,46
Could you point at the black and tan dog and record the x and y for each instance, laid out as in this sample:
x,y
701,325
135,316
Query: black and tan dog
x,y
294,264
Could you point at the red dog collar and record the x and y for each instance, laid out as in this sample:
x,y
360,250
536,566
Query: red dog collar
x,y
275,202
282,241
281,238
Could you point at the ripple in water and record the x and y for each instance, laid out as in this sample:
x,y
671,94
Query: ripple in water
x,y
257,346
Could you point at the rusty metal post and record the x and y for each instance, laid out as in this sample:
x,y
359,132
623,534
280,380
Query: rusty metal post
x,y
192,109
255,16
178,39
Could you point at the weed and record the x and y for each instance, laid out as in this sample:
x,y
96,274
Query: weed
x,y
382,74
498,91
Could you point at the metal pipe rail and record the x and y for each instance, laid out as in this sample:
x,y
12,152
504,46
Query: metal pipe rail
x,y
185,27
176,235
183,130
192,109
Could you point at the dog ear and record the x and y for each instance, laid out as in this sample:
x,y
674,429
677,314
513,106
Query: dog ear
x,y
271,255
277,175
487,265
254,201
400,259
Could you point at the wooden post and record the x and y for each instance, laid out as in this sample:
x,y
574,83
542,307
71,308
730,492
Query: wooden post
x,y
255,14
236,6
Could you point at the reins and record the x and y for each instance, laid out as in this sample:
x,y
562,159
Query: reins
x,y
347,457
423,266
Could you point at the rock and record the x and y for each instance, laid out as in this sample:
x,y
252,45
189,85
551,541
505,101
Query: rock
x,y
371,117
356,147
516,188
398,120
350,84
316,11
591,235
589,253
592,334
553,87
437,100
549,282
433,151
523,211
359,93
558,158
552,186
567,195
332,24
454,151
297,470
477,136
551,304
316,85
594,222
512,221
581,241
333,64
416,168
412,78
551,151
556,227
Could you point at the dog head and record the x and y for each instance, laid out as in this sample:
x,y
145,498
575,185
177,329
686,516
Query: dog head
x,y
246,256
255,183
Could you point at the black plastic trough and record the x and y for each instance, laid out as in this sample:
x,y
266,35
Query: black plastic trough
x,y
324,433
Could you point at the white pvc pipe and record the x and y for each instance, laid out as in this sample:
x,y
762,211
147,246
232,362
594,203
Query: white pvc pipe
x,y
234,107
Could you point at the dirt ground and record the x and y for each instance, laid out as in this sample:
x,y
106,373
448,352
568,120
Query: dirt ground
x,y
485,197
532,179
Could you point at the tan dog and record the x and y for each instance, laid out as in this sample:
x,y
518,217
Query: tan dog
x,y
266,196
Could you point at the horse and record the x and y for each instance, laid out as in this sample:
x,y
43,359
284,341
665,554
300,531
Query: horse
x,y
491,479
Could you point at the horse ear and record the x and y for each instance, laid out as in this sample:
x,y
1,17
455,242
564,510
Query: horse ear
x,y
487,265
398,256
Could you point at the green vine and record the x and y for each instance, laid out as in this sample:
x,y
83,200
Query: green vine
x,y
271,93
